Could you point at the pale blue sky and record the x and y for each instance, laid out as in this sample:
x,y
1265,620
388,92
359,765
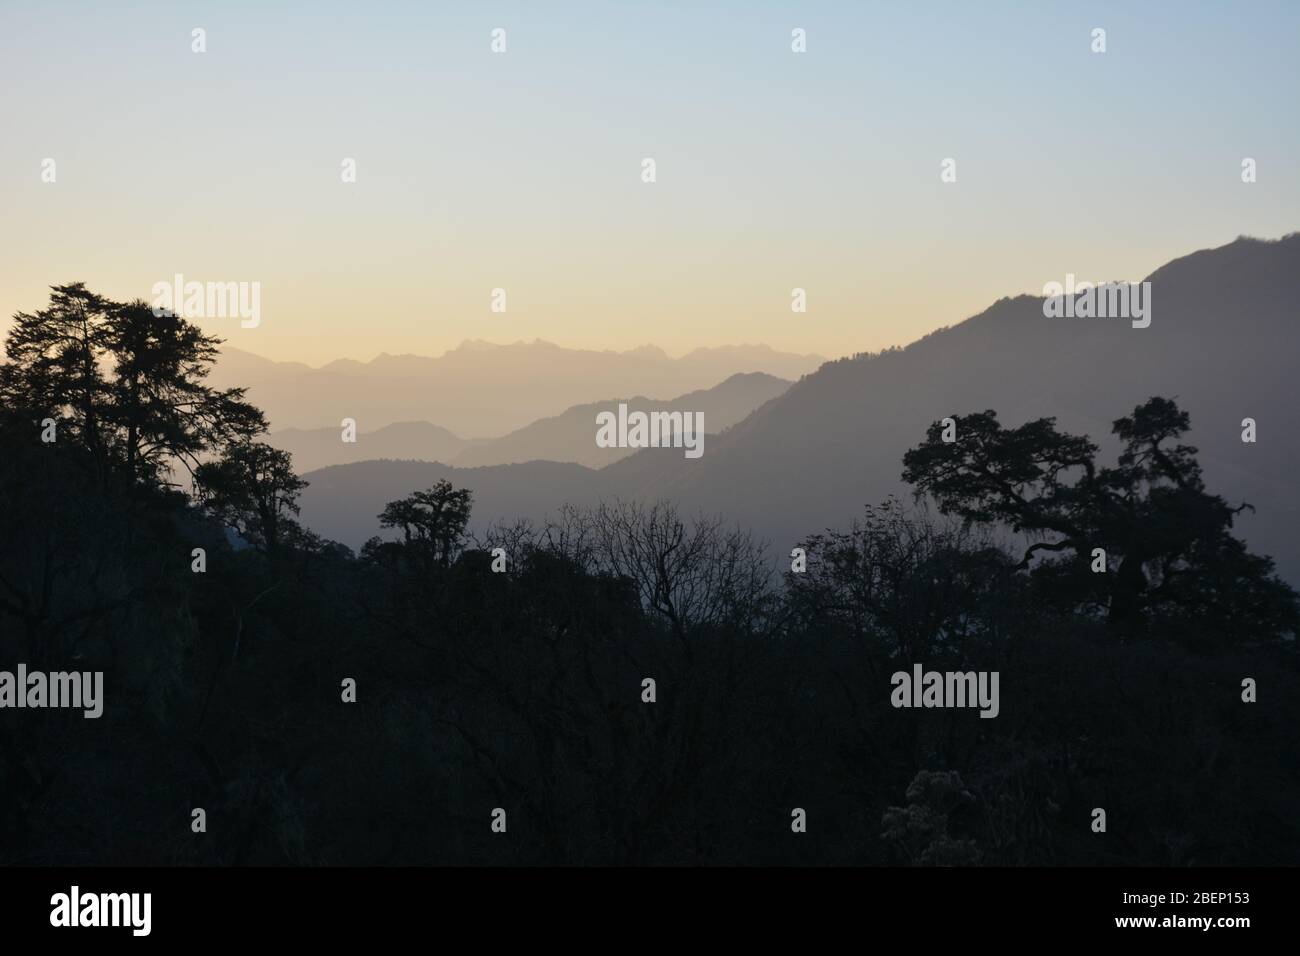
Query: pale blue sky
x,y
775,170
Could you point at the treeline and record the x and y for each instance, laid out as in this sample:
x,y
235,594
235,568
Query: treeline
x,y
629,684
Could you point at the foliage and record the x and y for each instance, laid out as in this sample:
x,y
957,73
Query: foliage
x,y
524,687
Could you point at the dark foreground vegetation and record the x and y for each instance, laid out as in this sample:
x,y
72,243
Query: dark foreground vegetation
x,y
523,688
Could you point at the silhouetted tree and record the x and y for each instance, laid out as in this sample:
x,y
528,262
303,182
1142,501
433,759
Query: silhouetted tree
x,y
432,522
162,409
899,578
1173,562
55,369
125,383
252,489
693,573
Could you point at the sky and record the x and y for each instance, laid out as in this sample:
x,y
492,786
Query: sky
x,y
522,170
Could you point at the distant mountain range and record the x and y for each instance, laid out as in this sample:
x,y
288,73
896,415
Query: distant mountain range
x,y
1223,341
567,437
314,448
480,389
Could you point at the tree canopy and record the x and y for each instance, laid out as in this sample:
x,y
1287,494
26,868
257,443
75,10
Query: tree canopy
x,y
636,685
124,382
1171,564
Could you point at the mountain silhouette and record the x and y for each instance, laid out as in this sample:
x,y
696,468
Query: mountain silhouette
x,y
321,447
568,436
564,437
480,389
1222,339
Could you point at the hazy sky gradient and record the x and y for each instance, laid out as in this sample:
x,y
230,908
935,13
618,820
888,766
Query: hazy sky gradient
x,y
522,170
